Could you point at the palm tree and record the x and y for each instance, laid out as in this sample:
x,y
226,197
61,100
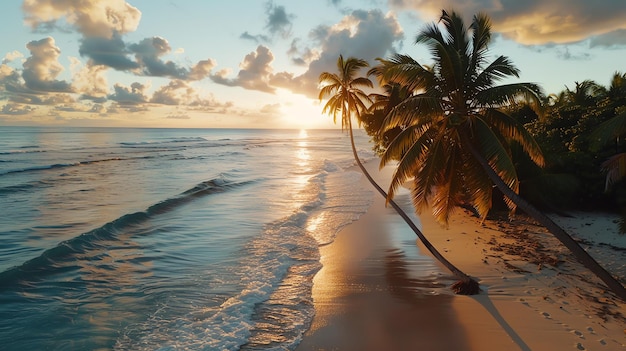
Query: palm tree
x,y
456,135
347,99
382,104
612,130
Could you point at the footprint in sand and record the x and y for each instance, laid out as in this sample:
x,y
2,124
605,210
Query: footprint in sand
x,y
580,346
546,315
578,334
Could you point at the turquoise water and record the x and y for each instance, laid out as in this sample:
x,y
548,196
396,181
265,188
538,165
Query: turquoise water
x,y
168,239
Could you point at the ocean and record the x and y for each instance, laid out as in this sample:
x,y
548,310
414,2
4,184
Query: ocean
x,y
168,239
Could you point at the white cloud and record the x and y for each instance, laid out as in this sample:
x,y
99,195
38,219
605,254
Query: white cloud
x,y
42,68
89,80
93,18
11,56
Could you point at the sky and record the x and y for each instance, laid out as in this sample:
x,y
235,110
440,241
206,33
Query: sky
x,y
256,63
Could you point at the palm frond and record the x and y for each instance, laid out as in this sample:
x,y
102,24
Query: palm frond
x,y
478,186
608,131
433,161
510,94
334,106
449,185
496,154
458,32
361,82
502,67
615,168
328,90
406,139
410,148
510,128
415,109
405,71
327,78
481,36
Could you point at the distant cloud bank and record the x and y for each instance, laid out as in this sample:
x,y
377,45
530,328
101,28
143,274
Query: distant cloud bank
x,y
539,22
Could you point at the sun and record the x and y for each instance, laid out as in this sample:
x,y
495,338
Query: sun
x,y
301,112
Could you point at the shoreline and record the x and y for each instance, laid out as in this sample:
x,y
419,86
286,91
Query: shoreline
x,y
367,299
370,296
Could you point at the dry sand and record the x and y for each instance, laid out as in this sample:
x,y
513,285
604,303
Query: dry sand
x,y
374,293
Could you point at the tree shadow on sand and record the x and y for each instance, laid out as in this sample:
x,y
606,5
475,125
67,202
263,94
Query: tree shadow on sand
x,y
410,289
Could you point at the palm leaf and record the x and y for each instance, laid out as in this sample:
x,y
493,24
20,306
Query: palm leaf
x,y
608,131
496,154
615,168
410,147
481,36
499,69
478,186
449,185
510,128
415,109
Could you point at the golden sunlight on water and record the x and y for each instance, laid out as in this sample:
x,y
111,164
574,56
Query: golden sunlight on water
x,y
302,171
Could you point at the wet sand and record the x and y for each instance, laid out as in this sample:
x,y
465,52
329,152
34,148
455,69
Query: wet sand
x,y
372,295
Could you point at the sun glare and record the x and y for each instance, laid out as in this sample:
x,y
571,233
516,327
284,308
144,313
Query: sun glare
x,y
300,112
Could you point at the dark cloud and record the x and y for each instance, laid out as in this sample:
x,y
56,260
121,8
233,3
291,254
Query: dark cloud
x,y
301,56
102,24
98,108
260,38
16,109
133,95
566,54
178,116
110,52
616,38
41,99
536,22
278,20
148,53
114,53
255,72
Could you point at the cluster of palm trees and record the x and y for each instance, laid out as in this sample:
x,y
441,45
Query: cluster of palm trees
x,y
447,127
580,131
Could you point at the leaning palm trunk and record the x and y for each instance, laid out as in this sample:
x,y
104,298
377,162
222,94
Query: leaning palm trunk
x,y
558,232
466,284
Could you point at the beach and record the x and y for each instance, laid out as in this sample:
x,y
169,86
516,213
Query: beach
x,y
152,239
535,296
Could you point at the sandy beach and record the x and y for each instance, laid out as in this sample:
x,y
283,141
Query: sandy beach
x,y
374,294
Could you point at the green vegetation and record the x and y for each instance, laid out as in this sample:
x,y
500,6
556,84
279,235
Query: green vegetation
x,y
457,134
580,132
